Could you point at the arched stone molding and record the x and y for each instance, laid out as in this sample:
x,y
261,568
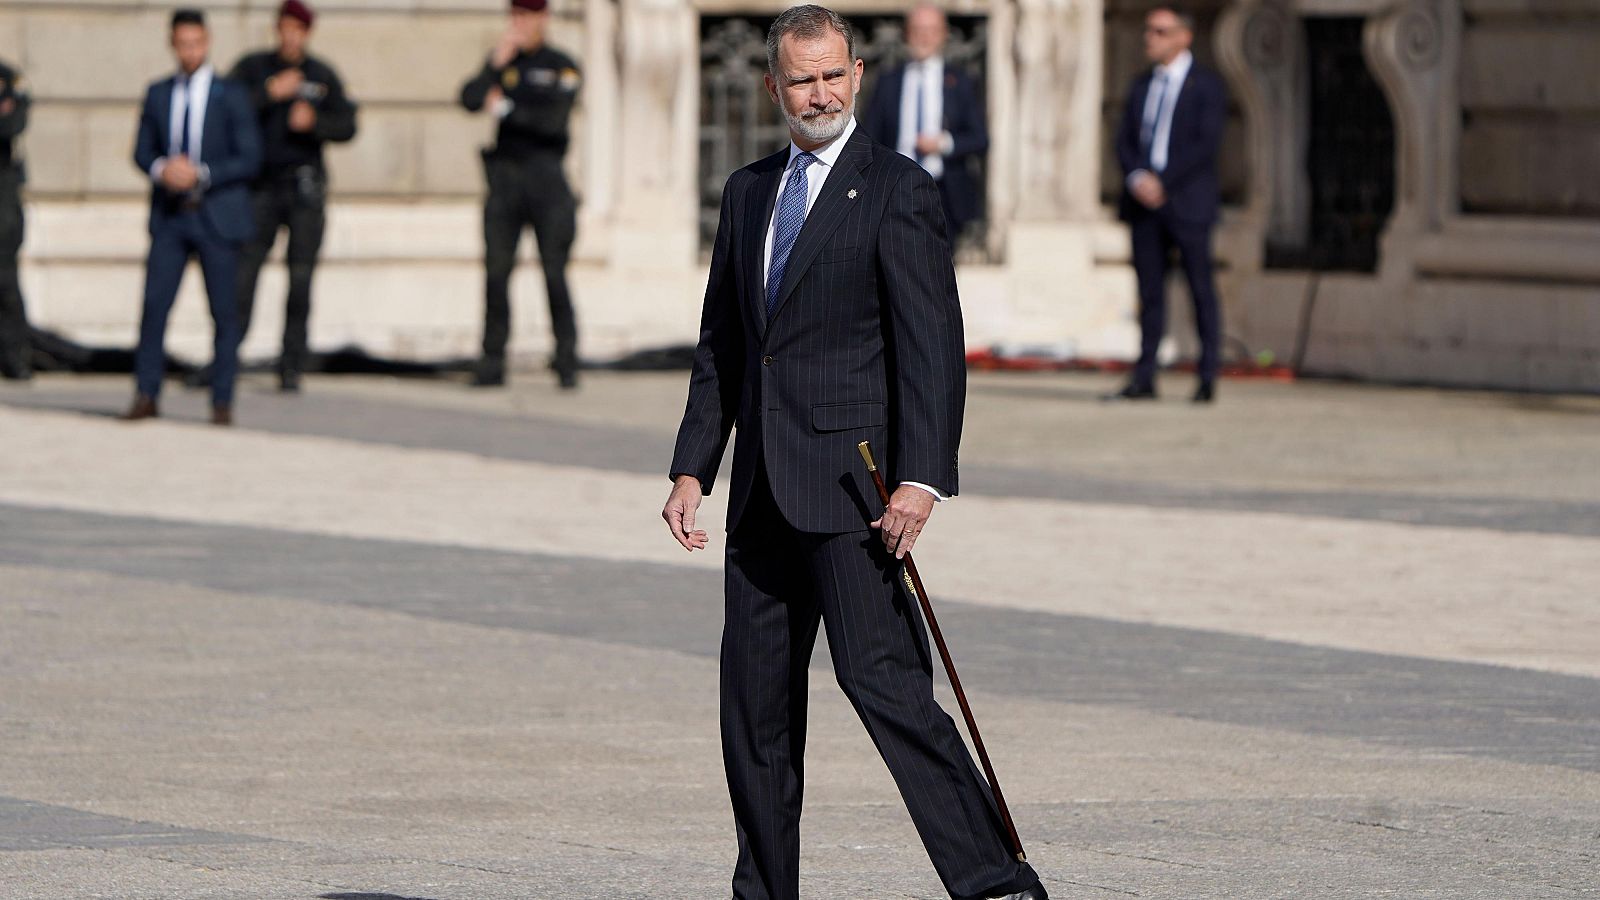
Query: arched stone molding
x,y
1413,50
1261,50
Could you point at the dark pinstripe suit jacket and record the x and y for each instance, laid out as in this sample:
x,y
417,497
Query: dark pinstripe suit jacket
x,y
865,344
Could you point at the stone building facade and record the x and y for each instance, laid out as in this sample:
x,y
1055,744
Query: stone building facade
x,y
1409,187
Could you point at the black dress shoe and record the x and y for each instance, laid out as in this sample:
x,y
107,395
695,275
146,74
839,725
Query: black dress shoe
x,y
568,379
289,382
143,407
222,415
1205,393
1132,392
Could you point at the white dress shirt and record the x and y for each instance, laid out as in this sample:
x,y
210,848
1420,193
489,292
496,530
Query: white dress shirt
x,y
1174,74
924,81
195,92
816,175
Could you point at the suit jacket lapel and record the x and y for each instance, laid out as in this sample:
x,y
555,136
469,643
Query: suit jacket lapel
x,y
758,215
213,112
163,113
833,204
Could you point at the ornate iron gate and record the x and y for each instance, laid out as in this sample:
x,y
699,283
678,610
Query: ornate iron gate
x,y
1350,155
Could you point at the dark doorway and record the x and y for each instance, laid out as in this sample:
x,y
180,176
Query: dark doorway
x,y
1350,154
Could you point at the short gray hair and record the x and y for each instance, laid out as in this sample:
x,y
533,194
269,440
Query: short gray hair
x,y
807,21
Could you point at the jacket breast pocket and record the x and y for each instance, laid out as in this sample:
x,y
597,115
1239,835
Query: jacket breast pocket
x,y
844,416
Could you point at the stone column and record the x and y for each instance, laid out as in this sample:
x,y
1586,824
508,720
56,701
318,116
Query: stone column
x,y
1045,65
1261,49
654,136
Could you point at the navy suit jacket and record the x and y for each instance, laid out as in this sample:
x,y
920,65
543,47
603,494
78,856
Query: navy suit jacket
x,y
865,343
964,118
230,147
1190,178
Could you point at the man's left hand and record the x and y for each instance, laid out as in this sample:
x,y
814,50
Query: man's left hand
x,y
302,116
903,520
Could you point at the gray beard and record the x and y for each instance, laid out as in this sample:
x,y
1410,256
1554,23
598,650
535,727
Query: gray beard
x,y
822,128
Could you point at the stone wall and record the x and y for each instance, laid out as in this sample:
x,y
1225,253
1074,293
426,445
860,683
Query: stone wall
x,y
1530,96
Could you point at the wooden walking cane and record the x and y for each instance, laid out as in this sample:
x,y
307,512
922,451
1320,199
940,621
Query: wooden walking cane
x,y
913,583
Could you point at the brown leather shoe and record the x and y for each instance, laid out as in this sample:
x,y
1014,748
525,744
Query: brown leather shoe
x,y
143,408
222,415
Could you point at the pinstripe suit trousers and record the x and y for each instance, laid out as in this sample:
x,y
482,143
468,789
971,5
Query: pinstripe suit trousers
x,y
781,583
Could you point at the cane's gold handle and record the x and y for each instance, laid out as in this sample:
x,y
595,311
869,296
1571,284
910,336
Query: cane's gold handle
x,y
866,454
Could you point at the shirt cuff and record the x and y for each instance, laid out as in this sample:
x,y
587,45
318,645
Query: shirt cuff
x,y
938,495
205,177
156,168
1135,175
503,108
947,144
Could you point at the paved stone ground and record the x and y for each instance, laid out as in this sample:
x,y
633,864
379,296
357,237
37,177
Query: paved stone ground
x,y
396,639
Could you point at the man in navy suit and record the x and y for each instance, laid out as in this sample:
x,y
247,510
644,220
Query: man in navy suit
x,y
932,112
1167,145
199,145
831,317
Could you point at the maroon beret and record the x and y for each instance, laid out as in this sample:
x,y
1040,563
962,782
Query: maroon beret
x,y
296,9
530,5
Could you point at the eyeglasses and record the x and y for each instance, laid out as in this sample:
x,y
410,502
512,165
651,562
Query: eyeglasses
x,y
1158,31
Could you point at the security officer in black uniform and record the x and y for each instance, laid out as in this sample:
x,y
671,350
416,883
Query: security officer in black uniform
x,y
530,88
15,345
302,105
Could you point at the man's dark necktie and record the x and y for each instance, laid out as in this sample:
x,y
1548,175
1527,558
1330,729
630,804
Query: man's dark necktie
x,y
791,215
183,133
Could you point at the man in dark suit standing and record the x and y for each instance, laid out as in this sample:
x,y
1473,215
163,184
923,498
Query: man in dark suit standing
x,y
831,317
1167,145
198,143
932,112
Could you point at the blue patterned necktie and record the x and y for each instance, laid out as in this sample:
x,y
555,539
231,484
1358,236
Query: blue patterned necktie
x,y
1152,120
791,215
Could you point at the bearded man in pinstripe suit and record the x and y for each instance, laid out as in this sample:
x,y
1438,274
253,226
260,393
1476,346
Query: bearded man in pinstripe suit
x,y
831,317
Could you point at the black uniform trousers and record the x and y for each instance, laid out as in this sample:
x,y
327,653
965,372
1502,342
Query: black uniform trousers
x,y
780,583
296,200
1155,236
528,191
15,343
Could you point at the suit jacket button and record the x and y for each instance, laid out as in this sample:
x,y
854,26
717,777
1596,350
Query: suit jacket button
x,y
766,360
